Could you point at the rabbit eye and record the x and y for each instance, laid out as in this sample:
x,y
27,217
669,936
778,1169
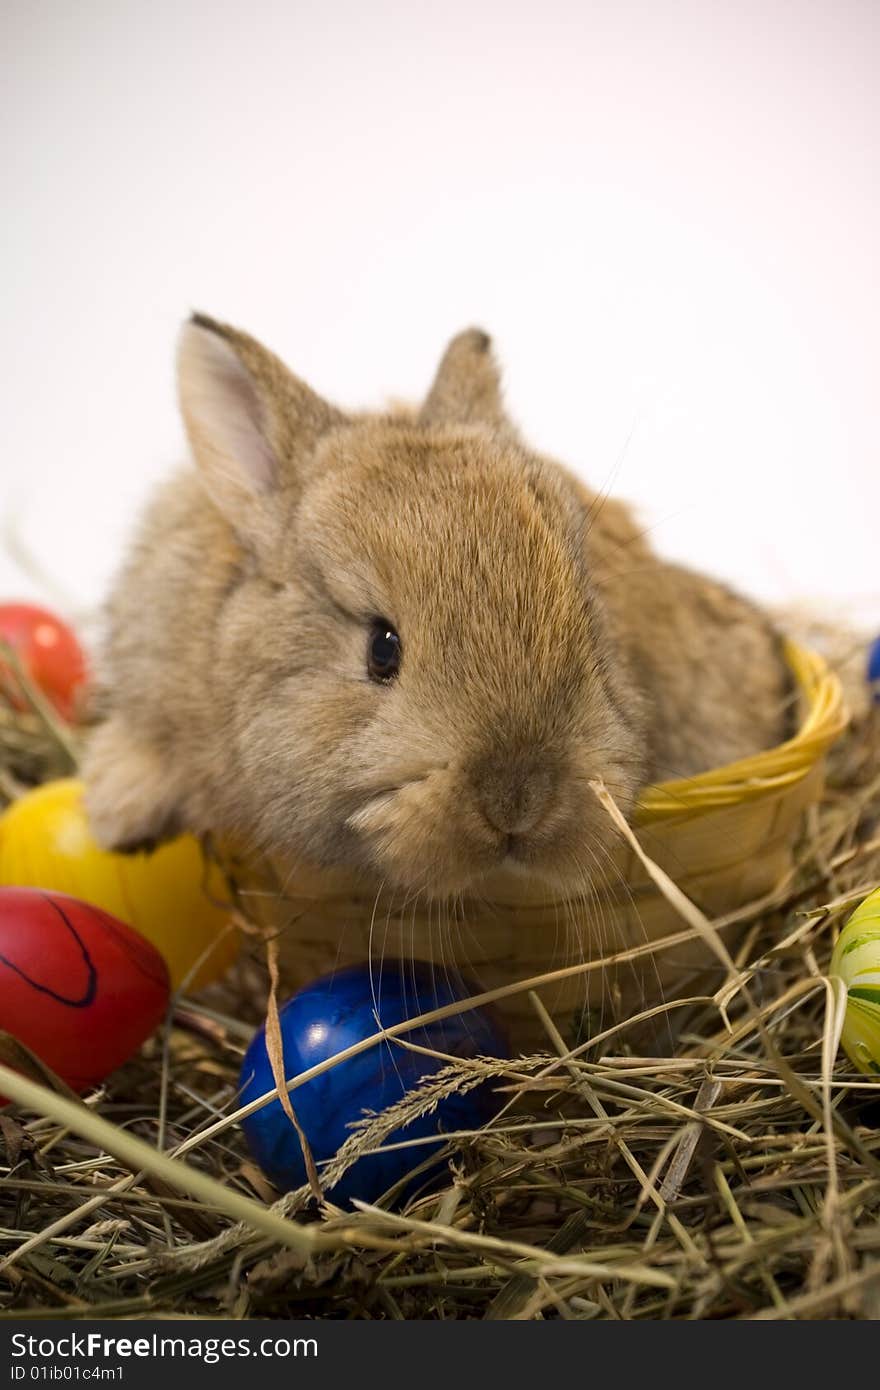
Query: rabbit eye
x,y
383,651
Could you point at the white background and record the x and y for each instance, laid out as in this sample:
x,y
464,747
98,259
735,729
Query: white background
x,y
666,214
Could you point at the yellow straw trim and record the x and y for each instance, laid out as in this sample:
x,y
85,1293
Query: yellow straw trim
x,y
765,773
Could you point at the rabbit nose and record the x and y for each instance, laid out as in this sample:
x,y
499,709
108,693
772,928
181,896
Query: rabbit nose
x,y
514,794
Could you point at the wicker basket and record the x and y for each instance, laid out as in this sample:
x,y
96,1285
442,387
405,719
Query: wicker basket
x,y
726,837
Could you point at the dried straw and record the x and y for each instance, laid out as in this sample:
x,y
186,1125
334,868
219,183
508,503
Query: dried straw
x,y
732,1173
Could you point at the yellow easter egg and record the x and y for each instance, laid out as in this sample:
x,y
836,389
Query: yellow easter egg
x,y
45,842
856,960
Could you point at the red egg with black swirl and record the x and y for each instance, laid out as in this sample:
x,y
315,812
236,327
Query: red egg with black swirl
x,y
79,988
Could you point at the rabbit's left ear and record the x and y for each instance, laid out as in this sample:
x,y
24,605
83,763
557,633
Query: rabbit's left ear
x,y
467,387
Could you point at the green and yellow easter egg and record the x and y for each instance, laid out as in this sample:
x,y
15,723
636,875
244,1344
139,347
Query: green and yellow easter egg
x,y
856,961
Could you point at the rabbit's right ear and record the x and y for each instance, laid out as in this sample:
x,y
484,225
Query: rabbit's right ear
x,y
251,423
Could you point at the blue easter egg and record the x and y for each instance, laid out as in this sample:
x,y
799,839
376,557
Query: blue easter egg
x,y
874,669
327,1017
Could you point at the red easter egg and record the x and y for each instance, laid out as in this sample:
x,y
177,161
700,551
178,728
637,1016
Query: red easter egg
x,y
48,652
77,987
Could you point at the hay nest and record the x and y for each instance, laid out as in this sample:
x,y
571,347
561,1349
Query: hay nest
x,y
732,1173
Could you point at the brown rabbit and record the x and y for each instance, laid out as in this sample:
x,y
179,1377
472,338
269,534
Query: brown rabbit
x,y
403,644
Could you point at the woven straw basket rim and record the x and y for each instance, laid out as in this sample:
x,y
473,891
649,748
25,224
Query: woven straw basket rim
x,y
766,773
